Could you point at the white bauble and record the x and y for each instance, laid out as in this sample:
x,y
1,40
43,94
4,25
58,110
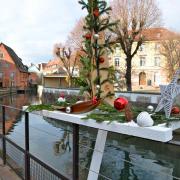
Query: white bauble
x,y
96,36
61,99
144,119
68,109
150,108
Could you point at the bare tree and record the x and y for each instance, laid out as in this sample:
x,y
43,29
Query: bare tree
x,y
75,37
133,16
170,49
68,58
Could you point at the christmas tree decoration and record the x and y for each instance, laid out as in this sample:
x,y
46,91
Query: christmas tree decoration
x,y
98,87
144,119
88,36
96,12
101,59
150,108
175,110
94,100
96,36
120,103
68,109
168,93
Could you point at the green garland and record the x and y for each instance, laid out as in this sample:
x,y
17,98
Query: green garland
x,y
106,112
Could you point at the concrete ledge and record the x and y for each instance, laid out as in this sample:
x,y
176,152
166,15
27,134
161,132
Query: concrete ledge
x,y
158,133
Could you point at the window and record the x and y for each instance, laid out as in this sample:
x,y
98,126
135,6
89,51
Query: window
x,y
12,75
1,75
1,55
142,61
157,61
117,62
142,47
157,46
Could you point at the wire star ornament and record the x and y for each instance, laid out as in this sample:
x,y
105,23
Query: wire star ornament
x,y
168,93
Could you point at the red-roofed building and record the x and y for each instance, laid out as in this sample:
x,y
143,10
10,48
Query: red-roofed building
x,y
13,73
148,65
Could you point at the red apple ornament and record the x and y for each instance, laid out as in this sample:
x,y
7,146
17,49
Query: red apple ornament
x,y
120,103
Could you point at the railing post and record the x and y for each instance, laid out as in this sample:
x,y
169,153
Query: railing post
x,y
75,151
27,159
4,134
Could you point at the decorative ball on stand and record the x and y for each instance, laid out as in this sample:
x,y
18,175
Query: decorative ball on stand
x,y
175,110
120,103
96,36
150,108
68,109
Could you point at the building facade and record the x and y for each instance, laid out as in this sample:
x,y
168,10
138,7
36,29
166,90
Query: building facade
x,y
13,73
148,65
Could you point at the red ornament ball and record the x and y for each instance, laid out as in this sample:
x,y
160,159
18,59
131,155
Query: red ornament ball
x,y
120,103
87,36
96,12
101,59
94,100
175,110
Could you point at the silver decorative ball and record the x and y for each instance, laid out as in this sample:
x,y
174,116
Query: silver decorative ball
x,y
97,86
68,109
150,108
96,36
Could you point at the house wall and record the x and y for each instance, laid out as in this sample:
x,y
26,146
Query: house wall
x,y
7,67
55,82
154,74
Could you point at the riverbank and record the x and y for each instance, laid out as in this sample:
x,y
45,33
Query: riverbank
x,y
6,173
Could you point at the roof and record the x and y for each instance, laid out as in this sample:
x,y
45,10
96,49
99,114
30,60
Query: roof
x,y
157,34
16,59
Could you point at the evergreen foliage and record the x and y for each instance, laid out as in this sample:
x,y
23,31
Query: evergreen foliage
x,y
96,23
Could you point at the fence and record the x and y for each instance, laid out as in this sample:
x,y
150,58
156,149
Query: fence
x,y
30,167
29,164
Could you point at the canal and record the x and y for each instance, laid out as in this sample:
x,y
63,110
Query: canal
x,y
125,157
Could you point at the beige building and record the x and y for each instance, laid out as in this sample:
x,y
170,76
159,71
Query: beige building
x,y
148,70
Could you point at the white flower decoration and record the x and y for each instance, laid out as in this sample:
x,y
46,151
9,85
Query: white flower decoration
x,y
61,99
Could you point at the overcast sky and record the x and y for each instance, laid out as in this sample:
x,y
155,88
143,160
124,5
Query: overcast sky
x,y
32,27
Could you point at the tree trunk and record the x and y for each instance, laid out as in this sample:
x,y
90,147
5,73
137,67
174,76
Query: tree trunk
x,y
128,73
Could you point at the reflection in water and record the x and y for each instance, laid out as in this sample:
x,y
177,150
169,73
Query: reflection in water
x,y
124,158
62,145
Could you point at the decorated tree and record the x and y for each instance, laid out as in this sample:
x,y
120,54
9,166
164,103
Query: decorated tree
x,y
97,74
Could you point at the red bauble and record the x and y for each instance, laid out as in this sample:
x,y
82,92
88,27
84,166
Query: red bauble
x,y
175,110
94,100
101,59
96,12
87,36
120,103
